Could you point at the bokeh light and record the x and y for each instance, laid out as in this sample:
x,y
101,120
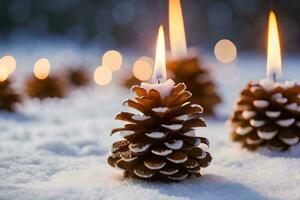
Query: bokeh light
x,y
143,68
112,59
102,75
9,62
225,51
4,73
42,68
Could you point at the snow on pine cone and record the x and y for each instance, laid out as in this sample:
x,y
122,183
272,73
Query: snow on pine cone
x,y
268,116
160,143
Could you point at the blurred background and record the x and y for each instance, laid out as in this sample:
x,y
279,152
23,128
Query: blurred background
x,y
132,24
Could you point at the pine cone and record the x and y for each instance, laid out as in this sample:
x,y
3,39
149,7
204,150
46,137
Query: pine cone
x,y
78,77
8,97
50,87
198,81
160,144
267,117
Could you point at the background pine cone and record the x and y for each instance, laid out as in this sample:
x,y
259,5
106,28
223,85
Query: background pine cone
x,y
8,97
78,77
130,82
160,144
197,80
50,87
267,117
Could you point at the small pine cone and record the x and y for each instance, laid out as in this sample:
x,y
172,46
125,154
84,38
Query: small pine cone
x,y
8,97
50,87
267,117
78,77
198,81
160,144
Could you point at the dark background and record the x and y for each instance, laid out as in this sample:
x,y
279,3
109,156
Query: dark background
x,y
134,23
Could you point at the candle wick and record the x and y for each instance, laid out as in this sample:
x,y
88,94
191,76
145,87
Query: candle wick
x,y
158,81
274,77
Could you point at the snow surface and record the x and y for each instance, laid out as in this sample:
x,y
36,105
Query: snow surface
x,y
57,149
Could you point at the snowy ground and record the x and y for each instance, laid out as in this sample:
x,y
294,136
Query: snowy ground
x,y
57,149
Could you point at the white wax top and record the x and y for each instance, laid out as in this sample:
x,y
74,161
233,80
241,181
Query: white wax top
x,y
270,84
164,89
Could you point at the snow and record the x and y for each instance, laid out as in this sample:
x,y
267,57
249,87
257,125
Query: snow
x,y
173,127
273,114
139,117
267,135
160,109
155,134
57,149
247,114
261,103
174,144
285,122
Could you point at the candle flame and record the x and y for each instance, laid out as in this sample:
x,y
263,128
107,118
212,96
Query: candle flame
x,y
274,52
159,72
42,68
176,29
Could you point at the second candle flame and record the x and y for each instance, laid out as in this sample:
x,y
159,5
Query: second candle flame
x,y
176,29
274,51
159,73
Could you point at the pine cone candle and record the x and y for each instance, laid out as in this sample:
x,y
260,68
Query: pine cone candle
x,y
160,144
268,115
52,86
78,77
198,81
8,97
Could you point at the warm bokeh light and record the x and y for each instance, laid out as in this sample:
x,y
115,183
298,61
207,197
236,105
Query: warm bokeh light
x,y
4,73
176,29
42,68
112,59
102,75
143,68
274,52
159,72
10,63
225,51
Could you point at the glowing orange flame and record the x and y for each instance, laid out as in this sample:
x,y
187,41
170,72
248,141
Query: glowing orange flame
x,y
176,29
274,51
159,72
